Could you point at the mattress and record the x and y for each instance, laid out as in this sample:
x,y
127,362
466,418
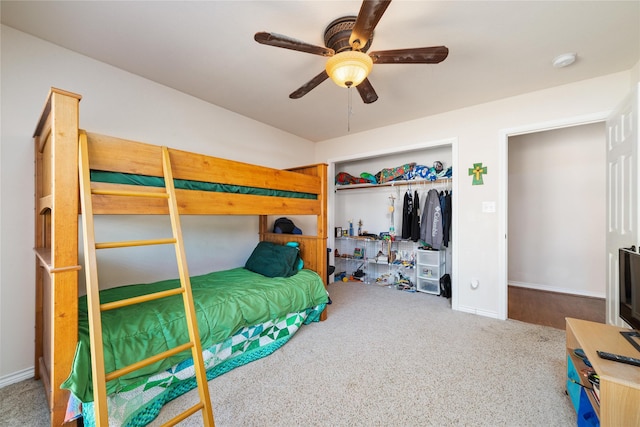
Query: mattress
x,y
154,181
226,302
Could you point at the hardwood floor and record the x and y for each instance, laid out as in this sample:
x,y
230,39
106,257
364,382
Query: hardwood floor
x,y
551,308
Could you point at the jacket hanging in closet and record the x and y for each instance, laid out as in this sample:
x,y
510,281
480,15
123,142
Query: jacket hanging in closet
x,y
415,218
431,224
407,215
445,205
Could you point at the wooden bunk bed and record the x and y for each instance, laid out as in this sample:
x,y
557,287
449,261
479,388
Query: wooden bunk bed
x,y
57,210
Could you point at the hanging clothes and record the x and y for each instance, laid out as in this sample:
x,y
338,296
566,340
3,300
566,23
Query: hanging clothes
x,y
431,225
407,215
415,218
446,218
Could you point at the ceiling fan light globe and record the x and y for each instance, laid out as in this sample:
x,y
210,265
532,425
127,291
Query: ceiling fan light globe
x,y
349,68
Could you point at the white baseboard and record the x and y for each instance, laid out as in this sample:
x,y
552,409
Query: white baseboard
x,y
16,377
474,310
547,288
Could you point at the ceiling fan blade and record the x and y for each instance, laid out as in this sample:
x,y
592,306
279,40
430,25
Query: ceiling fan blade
x,y
366,91
308,86
419,55
370,13
278,40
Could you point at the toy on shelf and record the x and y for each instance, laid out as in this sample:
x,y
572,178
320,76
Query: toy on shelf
x,y
358,274
384,280
403,283
382,258
392,208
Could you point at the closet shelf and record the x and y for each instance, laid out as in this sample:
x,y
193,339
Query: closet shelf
x,y
393,184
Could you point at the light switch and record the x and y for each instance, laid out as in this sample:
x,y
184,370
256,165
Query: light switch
x,y
489,207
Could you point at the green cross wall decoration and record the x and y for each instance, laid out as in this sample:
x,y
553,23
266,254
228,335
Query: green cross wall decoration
x,y
477,171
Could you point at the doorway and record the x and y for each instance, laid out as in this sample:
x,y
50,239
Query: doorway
x,y
556,217
542,253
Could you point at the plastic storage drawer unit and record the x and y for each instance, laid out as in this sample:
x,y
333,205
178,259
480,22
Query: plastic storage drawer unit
x,y
431,267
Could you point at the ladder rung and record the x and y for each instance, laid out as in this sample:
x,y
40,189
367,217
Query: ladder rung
x,y
183,416
138,300
148,361
129,243
129,193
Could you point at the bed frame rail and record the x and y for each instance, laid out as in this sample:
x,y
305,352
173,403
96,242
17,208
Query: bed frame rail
x,y
119,155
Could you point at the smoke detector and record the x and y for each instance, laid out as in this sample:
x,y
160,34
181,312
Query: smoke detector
x,y
564,60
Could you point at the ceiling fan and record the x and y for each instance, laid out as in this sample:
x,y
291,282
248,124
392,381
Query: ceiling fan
x,y
346,40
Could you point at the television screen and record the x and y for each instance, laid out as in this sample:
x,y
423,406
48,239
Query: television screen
x,y
630,287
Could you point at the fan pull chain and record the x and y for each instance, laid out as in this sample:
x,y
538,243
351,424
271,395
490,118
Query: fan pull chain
x,y
349,109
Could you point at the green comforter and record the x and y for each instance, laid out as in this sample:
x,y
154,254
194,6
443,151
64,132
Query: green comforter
x,y
225,302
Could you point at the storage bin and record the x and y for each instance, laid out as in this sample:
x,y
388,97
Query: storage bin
x,y
429,286
586,414
430,268
573,389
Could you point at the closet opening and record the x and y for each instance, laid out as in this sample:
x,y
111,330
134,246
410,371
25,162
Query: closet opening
x,y
371,210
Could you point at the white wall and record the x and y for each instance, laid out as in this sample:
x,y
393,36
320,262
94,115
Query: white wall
x,y
121,104
557,210
478,132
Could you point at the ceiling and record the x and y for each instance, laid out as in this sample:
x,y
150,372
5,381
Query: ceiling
x,y
206,49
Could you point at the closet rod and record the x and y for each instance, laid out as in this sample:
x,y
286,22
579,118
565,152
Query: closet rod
x,y
393,184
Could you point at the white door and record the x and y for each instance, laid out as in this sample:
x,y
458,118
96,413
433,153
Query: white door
x,y
622,193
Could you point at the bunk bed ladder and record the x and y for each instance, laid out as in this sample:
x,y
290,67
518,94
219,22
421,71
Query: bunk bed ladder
x,y
95,308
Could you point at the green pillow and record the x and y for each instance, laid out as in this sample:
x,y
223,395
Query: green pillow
x,y
274,260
